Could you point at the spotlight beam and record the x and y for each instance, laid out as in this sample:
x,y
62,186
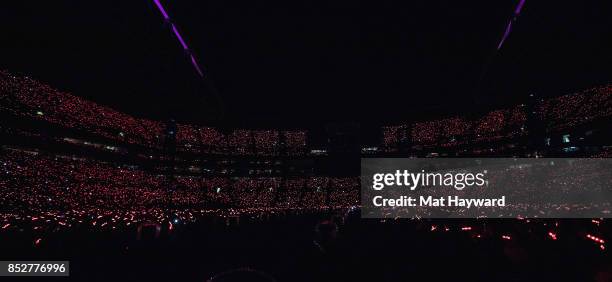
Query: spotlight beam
x,y
188,51
517,12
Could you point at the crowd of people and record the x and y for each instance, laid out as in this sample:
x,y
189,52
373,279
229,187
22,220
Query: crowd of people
x,y
561,113
569,111
35,183
456,131
51,190
25,97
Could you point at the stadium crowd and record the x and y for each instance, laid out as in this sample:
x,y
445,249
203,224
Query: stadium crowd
x,y
43,191
25,97
46,190
561,113
569,111
35,183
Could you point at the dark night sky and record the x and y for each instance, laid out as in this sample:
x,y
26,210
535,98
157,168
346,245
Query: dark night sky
x,y
294,63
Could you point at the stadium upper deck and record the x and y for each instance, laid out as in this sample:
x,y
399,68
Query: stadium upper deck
x,y
34,105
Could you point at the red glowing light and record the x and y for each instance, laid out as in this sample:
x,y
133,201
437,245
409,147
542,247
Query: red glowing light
x,y
596,239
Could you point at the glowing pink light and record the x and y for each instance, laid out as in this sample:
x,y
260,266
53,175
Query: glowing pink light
x,y
596,239
506,237
552,235
466,228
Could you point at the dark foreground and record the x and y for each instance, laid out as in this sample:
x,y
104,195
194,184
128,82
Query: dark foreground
x,y
300,248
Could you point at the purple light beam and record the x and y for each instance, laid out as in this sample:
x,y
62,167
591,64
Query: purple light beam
x,y
194,63
517,12
161,9
180,38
